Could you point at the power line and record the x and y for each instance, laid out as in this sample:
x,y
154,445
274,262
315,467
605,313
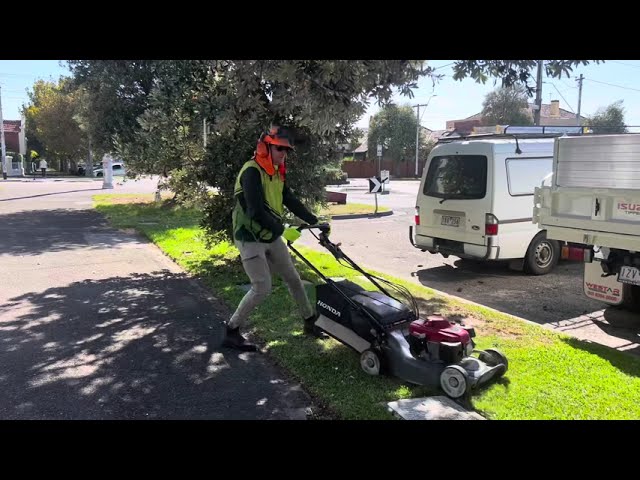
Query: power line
x,y
612,85
568,86
623,63
444,66
559,93
5,74
12,90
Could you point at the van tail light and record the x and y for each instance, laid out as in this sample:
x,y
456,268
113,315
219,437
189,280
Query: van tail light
x,y
417,216
490,225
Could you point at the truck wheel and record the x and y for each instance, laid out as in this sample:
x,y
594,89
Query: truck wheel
x,y
542,255
631,297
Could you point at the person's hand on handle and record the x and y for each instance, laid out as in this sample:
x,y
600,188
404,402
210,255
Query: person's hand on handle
x,y
291,234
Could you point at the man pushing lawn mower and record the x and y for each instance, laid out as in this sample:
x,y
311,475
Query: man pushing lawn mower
x,y
261,193
389,334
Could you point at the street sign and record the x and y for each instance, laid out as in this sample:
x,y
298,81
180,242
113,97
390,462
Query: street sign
x,y
379,150
374,185
384,179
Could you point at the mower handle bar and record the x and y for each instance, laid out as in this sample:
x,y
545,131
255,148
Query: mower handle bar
x,y
335,250
323,227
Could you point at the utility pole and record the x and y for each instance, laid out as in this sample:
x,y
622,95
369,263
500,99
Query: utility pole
x,y
107,171
417,136
88,171
418,129
4,148
204,132
580,79
538,108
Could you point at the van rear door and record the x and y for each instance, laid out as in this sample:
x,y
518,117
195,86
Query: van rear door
x,y
455,197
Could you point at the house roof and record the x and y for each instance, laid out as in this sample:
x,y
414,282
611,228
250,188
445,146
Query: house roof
x,y
363,141
477,116
12,126
362,147
434,135
545,112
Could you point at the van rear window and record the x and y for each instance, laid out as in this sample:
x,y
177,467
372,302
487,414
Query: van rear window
x,y
462,177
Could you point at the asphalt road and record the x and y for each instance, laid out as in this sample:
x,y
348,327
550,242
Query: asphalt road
x,y
97,323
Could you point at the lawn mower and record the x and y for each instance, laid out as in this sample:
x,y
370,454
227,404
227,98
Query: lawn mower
x,y
389,334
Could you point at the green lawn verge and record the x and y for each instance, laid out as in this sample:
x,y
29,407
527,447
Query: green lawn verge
x,y
351,209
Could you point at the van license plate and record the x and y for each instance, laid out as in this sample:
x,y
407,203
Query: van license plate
x,y
450,221
630,275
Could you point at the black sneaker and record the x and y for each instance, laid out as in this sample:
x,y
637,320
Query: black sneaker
x,y
233,339
310,328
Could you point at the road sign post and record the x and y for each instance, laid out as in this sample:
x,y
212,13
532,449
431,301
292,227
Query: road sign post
x,y
375,212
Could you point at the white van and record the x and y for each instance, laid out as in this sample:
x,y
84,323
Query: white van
x,y
476,201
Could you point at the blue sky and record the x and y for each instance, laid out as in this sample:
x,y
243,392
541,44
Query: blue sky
x,y
18,75
460,99
603,85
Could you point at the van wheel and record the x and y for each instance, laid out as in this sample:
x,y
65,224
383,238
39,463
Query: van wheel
x,y
542,255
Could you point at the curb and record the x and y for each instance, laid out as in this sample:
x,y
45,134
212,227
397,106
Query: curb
x,y
361,215
30,179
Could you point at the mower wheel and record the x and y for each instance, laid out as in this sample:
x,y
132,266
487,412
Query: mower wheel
x,y
454,380
493,356
372,362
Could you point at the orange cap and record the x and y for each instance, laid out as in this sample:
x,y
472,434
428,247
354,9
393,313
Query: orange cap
x,y
278,136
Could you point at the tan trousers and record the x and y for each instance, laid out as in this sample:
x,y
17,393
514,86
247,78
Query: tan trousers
x,y
260,260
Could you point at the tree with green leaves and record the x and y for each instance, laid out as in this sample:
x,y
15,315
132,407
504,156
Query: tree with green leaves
x,y
506,106
51,123
608,119
320,101
153,113
394,128
514,72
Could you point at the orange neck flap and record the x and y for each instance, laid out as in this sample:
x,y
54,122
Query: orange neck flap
x,y
266,164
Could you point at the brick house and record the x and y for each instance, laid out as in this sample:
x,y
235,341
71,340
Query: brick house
x,y
550,114
15,141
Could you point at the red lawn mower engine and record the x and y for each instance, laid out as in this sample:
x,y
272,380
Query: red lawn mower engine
x,y
438,339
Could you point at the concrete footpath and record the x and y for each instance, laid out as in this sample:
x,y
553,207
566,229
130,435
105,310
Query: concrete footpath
x,y
96,323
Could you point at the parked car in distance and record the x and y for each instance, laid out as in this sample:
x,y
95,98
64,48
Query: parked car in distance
x,y
118,169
